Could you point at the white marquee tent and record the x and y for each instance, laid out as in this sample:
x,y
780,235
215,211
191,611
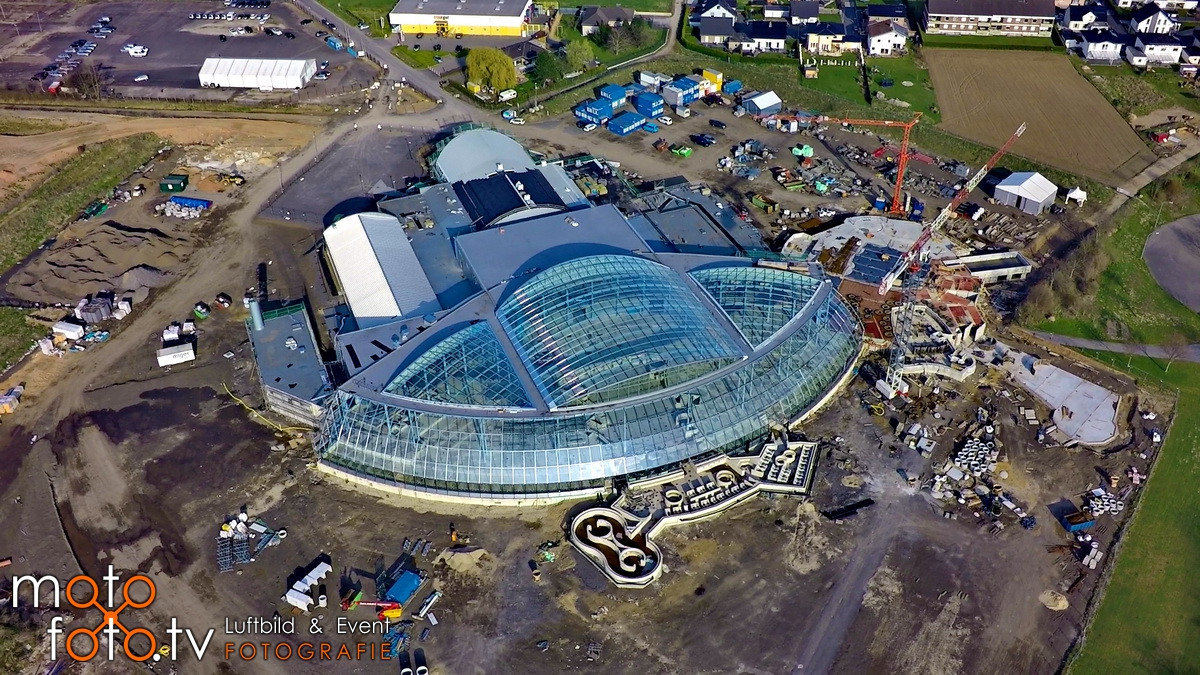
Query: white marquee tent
x,y
257,73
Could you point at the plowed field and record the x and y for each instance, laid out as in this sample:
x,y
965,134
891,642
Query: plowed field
x,y
985,95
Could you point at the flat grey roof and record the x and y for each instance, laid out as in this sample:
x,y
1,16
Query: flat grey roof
x,y
495,255
453,8
296,372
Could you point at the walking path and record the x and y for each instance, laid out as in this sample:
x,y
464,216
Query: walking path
x,y
1131,187
1190,353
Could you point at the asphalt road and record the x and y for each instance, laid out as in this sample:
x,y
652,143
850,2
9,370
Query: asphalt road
x,y
1173,255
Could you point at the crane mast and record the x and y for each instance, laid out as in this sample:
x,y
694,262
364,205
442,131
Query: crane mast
x,y
897,207
912,262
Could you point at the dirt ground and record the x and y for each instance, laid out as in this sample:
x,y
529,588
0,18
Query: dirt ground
x,y
986,95
24,157
138,466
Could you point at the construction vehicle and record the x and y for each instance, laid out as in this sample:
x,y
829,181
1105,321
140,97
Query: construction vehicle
x,y
764,202
897,206
661,145
94,209
893,383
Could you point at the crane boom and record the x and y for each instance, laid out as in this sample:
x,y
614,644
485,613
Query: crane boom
x,y
897,207
901,331
961,196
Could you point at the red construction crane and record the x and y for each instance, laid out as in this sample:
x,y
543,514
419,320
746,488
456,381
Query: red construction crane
x,y
897,207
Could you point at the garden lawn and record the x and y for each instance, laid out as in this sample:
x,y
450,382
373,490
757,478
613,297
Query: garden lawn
x,y
424,58
1011,42
1136,93
367,11
1149,619
1128,293
658,6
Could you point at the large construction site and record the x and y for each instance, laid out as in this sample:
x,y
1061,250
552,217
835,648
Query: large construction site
x,y
379,389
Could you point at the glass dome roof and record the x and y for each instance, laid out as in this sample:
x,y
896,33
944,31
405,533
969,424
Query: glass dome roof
x,y
759,300
611,326
468,367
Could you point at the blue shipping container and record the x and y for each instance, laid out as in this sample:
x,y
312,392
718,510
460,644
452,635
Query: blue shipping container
x,y
733,86
626,123
192,202
650,105
614,93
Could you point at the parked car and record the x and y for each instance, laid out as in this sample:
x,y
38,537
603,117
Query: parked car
x,y
324,65
223,38
665,120
362,26
517,120
717,124
290,35
320,33
589,127
141,78
305,22
323,75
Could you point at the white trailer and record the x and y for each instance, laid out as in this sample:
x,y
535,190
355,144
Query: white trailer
x,y
171,356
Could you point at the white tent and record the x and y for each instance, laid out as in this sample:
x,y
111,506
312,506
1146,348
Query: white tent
x,y
257,73
1027,190
1077,194
377,270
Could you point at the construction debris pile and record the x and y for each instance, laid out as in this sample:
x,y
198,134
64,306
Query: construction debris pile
x,y
1100,502
235,537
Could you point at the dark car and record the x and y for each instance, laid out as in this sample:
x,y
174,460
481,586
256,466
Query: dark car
x,y
223,38
437,47
320,33
305,22
290,35
717,124
703,140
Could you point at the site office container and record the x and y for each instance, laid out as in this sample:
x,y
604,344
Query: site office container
x,y
732,86
626,123
650,105
614,93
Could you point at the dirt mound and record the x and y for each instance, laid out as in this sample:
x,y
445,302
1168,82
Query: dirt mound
x,y
466,560
1053,600
91,257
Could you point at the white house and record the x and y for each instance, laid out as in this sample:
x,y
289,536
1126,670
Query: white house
x,y
766,36
1085,17
1159,49
714,9
1171,5
885,38
1101,45
1151,19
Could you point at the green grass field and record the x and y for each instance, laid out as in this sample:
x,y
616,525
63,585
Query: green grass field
x,y
367,11
1132,92
28,126
1149,619
1128,294
660,6
16,335
425,58
18,100
69,188
1010,42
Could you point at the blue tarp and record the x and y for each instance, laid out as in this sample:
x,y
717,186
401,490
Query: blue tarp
x,y
404,588
192,202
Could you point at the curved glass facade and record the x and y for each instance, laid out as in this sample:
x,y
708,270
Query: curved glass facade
x,y
808,337
468,367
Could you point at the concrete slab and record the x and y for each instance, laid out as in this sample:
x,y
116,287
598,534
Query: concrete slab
x,y
1083,410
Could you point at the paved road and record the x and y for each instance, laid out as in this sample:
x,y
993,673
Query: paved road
x,y
1191,353
1172,253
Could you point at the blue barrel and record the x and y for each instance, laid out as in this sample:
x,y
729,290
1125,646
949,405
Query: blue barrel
x,y
880,203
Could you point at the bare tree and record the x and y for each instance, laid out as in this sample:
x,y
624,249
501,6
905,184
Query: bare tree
x,y
1176,347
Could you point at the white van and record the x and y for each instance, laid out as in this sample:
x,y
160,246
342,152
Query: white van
x,y
507,95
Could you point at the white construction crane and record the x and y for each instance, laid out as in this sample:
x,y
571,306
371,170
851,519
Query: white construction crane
x,y
911,262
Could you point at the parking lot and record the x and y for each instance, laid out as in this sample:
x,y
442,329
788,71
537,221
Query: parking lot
x,y
176,46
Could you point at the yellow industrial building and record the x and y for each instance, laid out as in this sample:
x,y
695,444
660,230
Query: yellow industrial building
x,y
447,18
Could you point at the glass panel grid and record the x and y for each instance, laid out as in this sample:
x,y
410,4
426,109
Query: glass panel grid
x,y
468,367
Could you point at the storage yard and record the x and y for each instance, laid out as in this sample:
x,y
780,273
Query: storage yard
x,y
342,370
1072,127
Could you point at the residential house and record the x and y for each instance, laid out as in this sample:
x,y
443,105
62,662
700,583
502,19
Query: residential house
x,y
895,13
1085,17
771,9
804,11
1191,53
715,30
714,9
1157,48
524,54
1149,18
1101,45
990,17
761,36
592,19
1169,5
886,38
828,39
